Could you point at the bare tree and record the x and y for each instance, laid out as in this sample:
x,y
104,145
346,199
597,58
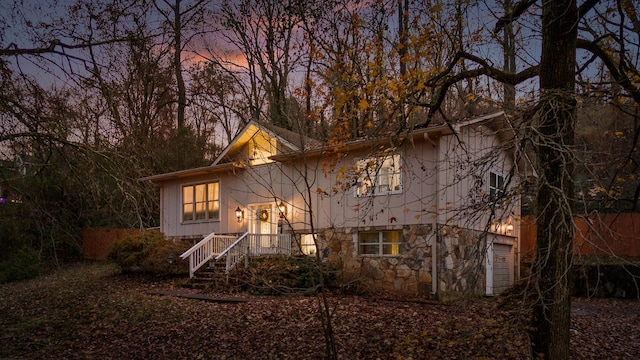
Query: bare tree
x,y
219,98
267,33
184,22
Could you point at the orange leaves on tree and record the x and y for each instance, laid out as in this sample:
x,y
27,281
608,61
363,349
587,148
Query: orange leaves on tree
x,y
363,104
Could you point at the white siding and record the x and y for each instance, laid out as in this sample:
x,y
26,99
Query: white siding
x,y
465,161
436,182
414,205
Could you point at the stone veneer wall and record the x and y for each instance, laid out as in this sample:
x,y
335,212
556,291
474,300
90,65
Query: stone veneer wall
x,y
409,272
461,262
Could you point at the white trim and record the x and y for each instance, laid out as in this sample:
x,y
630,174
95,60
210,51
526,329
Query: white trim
x,y
232,143
489,268
458,126
380,243
375,184
259,127
194,184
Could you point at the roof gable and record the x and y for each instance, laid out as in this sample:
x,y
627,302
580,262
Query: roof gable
x,y
256,138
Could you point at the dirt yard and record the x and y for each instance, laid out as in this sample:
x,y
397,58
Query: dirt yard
x,y
91,311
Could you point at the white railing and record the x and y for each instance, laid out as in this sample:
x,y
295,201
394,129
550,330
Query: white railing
x,y
236,252
235,249
255,245
205,250
269,244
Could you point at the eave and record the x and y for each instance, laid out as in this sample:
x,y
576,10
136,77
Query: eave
x,y
433,131
205,170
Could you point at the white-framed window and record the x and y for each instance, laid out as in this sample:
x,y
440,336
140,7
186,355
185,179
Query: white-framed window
x,y
379,242
379,175
496,186
201,202
307,245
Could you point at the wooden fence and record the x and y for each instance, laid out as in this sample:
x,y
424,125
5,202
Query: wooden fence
x,y
96,242
597,234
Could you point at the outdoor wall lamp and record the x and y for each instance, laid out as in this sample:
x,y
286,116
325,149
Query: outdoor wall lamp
x,y
283,210
239,214
509,229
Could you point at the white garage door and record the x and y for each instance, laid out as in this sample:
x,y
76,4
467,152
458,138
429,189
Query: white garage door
x,y
502,268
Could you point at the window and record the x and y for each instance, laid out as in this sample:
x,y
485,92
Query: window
x,y
307,245
260,149
201,202
379,176
496,186
380,243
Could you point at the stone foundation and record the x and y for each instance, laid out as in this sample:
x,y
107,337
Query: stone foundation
x,y
461,262
409,271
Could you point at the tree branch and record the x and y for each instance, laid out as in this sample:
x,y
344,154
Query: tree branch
x,y
444,80
13,49
611,65
515,13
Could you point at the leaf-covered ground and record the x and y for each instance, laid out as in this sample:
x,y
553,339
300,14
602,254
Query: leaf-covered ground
x,y
90,311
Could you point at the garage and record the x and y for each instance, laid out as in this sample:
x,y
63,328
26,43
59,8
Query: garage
x,y
502,267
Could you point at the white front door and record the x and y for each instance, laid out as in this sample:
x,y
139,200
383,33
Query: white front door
x,y
264,224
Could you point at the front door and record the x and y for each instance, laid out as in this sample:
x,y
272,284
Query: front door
x,y
264,225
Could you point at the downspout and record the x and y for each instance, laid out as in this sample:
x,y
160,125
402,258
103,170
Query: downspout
x,y
434,261
436,235
517,264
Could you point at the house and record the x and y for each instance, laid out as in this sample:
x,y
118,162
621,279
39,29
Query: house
x,y
430,212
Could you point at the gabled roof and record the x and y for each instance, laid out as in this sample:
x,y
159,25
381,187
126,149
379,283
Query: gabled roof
x,y
296,146
426,131
289,140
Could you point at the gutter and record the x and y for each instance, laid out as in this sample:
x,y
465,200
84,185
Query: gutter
x,y
190,172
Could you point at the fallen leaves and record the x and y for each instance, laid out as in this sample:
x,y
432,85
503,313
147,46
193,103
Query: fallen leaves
x,y
91,311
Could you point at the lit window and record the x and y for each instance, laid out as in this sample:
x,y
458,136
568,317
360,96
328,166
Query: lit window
x,y
380,243
260,149
382,175
200,202
307,245
496,186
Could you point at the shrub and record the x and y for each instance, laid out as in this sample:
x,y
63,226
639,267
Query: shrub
x,y
286,274
23,264
150,253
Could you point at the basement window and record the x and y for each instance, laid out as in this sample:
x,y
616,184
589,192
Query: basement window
x,y
379,243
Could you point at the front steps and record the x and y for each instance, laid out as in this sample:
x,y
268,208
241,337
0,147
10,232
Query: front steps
x,y
212,275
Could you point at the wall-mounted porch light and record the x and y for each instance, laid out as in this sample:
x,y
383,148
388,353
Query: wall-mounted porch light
x,y
283,210
239,214
509,229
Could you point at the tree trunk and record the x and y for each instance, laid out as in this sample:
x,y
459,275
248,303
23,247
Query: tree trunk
x,y
177,63
509,53
552,311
